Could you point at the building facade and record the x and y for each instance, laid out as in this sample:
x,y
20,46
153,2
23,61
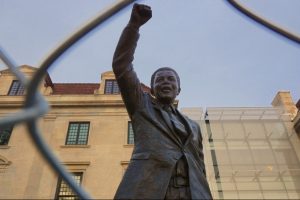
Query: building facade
x,y
249,152
87,129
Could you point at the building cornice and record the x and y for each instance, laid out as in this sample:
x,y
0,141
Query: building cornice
x,y
66,101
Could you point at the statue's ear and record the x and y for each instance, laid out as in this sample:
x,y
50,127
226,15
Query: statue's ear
x,y
152,92
179,89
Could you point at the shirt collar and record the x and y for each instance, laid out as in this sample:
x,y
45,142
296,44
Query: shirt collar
x,y
166,107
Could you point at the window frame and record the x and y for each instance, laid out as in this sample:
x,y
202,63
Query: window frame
x,y
129,131
59,185
77,133
114,85
10,130
19,91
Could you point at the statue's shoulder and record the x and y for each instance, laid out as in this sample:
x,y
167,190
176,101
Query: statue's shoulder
x,y
195,125
188,119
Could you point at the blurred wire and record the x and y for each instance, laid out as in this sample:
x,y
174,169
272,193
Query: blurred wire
x,y
36,106
11,64
26,114
277,29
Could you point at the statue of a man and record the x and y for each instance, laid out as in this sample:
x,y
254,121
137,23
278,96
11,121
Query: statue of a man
x,y
167,160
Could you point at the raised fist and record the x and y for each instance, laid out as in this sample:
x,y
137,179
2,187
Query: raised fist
x,y
140,14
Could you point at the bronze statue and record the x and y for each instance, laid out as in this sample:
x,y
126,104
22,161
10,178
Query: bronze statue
x,y
167,160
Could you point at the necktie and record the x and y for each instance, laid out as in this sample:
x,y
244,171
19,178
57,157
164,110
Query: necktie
x,y
177,124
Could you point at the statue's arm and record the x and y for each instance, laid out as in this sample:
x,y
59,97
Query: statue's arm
x,y
123,57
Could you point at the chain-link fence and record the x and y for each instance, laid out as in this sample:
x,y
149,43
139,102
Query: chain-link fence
x,y
35,105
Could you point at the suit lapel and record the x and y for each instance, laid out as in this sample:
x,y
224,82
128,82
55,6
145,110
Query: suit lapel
x,y
166,118
188,127
163,128
163,122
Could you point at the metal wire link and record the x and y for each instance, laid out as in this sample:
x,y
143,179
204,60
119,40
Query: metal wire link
x,y
266,23
36,105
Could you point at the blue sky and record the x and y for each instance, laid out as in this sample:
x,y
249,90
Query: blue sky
x,y
223,58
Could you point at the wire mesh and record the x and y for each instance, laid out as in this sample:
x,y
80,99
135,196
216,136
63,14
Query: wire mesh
x,y
266,23
35,105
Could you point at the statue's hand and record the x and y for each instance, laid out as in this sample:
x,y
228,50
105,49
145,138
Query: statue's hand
x,y
140,14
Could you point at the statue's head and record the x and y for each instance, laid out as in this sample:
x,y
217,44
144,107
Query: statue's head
x,y
165,85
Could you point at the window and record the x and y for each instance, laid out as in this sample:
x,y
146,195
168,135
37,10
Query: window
x,y
5,135
78,133
130,134
111,87
64,191
16,88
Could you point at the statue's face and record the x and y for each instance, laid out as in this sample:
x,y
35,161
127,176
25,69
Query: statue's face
x,y
165,86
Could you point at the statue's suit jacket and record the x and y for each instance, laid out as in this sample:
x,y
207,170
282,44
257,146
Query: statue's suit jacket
x,y
157,147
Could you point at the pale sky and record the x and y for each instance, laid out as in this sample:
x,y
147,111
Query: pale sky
x,y
223,58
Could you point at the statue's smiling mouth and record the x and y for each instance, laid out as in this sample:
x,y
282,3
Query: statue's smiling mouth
x,y
166,89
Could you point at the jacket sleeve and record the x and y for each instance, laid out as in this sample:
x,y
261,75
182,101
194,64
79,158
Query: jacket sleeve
x,y
127,79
